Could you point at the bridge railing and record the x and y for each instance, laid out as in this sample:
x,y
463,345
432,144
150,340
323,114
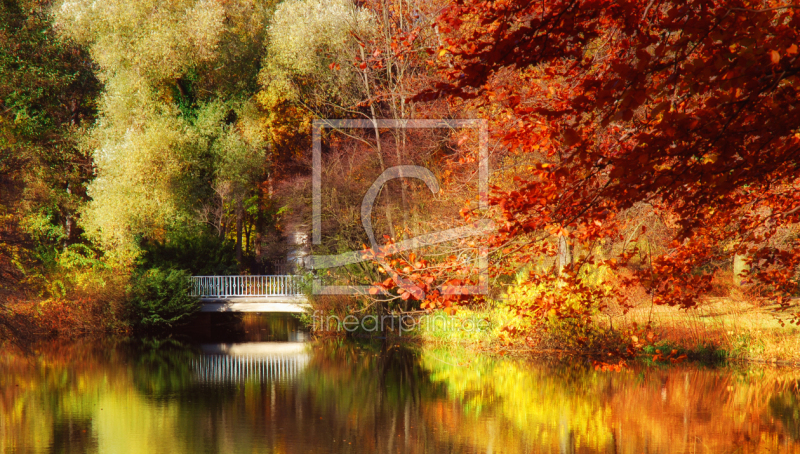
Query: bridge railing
x,y
228,286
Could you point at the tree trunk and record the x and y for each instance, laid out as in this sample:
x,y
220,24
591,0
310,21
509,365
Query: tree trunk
x,y
564,254
740,268
246,240
239,216
68,221
374,117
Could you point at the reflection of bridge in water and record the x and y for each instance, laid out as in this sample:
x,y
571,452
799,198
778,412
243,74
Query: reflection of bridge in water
x,y
260,361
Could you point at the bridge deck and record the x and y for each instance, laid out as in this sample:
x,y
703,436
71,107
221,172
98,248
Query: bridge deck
x,y
292,304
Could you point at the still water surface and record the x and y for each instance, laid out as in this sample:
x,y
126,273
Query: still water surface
x,y
258,387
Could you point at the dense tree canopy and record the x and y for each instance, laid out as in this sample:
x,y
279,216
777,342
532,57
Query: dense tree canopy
x,y
177,133
688,108
644,150
47,98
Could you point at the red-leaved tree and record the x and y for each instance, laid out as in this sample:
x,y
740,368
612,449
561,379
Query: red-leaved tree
x,y
686,106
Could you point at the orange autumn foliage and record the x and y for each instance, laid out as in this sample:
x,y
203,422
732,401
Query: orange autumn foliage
x,y
687,107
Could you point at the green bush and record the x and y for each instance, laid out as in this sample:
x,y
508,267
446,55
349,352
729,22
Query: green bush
x,y
161,298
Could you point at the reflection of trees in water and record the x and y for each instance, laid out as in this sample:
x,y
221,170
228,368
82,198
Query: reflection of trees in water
x,y
382,398
366,373
271,327
559,407
162,372
519,405
382,392
162,367
785,407
245,327
89,395
73,436
48,397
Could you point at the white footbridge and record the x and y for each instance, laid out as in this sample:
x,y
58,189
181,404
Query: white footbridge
x,y
274,293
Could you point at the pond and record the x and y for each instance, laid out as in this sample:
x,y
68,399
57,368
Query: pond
x,y
256,384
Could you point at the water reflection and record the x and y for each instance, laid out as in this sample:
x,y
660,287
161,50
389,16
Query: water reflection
x,y
339,397
161,367
245,327
259,361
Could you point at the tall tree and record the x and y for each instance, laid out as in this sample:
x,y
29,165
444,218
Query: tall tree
x,y
686,106
176,128
47,94
342,59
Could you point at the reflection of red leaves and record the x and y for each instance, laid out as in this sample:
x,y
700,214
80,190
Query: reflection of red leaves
x,y
603,366
679,359
672,357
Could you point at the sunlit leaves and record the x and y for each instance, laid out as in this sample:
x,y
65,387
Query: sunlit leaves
x,y
689,107
160,39
311,50
176,128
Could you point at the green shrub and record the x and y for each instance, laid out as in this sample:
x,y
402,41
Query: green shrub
x,y
161,298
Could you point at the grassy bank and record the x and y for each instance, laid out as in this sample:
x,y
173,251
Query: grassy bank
x,y
720,329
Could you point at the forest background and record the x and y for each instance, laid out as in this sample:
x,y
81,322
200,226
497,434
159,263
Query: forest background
x,y
643,156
